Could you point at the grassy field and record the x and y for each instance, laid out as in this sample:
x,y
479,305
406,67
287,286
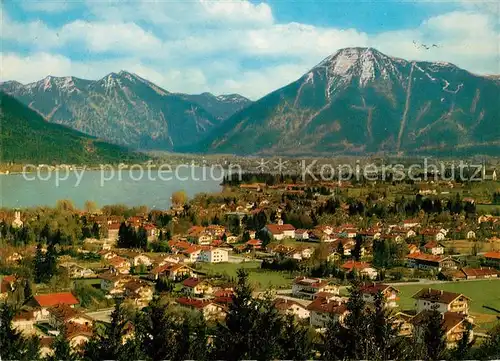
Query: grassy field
x,y
260,279
485,292
463,246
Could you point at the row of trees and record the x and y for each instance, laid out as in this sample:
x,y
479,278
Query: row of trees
x,y
253,330
129,237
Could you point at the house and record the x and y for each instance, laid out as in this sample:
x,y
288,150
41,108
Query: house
x,y
403,322
209,309
371,289
411,223
43,302
142,259
194,286
443,301
254,244
324,309
113,284
430,262
78,334
454,325
214,255
280,231
192,254
173,271
470,235
434,248
306,287
7,284
24,321
301,234
140,292
467,273
492,259
119,264
291,307
363,268
434,234
76,271
61,314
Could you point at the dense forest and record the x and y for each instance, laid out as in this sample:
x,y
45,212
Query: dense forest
x,y
25,137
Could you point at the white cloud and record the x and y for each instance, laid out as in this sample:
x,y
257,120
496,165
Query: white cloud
x,y
206,45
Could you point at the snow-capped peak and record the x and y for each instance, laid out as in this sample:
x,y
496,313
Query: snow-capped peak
x,y
364,64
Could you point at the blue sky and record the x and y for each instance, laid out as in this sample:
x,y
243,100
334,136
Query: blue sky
x,y
249,47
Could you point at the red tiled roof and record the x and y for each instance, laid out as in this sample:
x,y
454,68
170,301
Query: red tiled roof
x,y
193,302
434,295
324,305
374,288
479,272
279,228
254,242
284,304
191,282
492,255
52,299
350,265
426,257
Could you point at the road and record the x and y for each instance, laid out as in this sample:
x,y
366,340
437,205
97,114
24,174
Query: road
x,y
103,315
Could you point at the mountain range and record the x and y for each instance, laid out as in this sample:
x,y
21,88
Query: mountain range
x,y
356,101
359,101
25,137
126,109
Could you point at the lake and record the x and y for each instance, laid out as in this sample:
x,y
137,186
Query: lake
x,y
133,187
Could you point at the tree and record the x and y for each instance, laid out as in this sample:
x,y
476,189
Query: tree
x,y
90,206
65,205
353,339
62,349
179,198
232,340
295,341
434,335
108,345
463,349
96,231
356,252
142,238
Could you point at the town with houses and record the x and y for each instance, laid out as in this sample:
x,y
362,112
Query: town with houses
x,y
302,245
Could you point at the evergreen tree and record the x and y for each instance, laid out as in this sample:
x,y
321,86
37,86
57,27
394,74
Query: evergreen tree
x,y
62,349
232,340
142,238
39,264
96,231
356,252
353,339
13,345
108,345
295,341
50,261
463,349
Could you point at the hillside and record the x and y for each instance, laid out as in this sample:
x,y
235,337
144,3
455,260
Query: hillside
x,y
359,100
25,137
220,106
126,109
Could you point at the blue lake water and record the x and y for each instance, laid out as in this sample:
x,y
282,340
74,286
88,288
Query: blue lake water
x,y
132,187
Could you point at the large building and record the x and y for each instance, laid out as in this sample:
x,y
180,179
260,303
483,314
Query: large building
x,y
306,287
428,299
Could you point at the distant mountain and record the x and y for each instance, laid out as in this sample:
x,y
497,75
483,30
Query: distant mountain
x,y
359,100
221,106
126,109
25,137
